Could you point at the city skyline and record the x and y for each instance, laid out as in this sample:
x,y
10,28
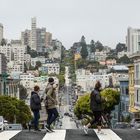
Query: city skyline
x,y
106,21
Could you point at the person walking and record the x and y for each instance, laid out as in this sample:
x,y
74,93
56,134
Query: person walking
x,y
35,105
50,103
96,107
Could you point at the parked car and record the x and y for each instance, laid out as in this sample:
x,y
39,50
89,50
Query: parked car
x,y
3,123
122,125
135,123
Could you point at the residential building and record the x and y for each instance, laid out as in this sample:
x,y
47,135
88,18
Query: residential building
x,y
133,40
121,54
1,32
7,51
133,45
40,58
3,63
87,80
33,34
19,52
132,109
26,37
124,100
100,55
41,39
16,42
108,62
27,80
48,39
118,72
50,68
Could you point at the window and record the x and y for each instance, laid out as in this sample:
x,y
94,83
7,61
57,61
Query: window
x,y
127,91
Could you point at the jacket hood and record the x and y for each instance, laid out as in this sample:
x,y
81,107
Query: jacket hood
x,y
33,92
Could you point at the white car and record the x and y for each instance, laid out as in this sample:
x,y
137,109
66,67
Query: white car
x,y
3,123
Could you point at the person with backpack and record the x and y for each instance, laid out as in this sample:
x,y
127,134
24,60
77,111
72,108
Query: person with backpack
x,y
96,107
35,105
50,103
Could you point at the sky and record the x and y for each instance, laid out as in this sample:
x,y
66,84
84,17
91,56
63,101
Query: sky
x,y
103,20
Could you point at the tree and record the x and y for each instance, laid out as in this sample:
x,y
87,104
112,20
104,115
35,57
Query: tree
x,y
28,50
121,47
99,46
83,41
82,106
33,53
38,64
13,110
84,52
92,46
22,92
3,42
61,78
124,60
113,98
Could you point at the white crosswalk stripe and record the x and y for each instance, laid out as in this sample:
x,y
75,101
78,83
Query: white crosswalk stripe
x,y
108,135
57,135
6,135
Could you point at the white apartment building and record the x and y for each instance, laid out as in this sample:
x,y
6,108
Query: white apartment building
x,y
34,60
133,45
50,68
121,54
7,51
27,80
100,55
19,52
87,80
118,72
3,63
1,32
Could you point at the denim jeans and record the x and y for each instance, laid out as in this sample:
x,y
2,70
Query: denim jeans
x,y
36,118
52,115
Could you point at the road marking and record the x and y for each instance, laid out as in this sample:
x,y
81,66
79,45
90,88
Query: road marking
x,y
57,135
108,135
6,135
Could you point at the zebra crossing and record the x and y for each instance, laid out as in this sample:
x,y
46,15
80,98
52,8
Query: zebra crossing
x,y
71,134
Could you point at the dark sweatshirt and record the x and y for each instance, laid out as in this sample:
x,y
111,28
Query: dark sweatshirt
x,y
35,101
96,100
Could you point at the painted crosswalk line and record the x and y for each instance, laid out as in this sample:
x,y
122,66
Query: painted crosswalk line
x,y
57,135
6,135
108,135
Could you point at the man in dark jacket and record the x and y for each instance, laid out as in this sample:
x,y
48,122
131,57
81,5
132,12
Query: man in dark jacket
x,y
96,107
35,104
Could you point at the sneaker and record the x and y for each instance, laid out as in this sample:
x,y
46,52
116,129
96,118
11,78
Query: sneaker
x,y
85,129
29,126
48,129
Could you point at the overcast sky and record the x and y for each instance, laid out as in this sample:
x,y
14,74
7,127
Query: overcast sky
x,y
68,20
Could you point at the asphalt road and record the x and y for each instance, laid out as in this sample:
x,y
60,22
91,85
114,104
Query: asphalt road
x,y
75,134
